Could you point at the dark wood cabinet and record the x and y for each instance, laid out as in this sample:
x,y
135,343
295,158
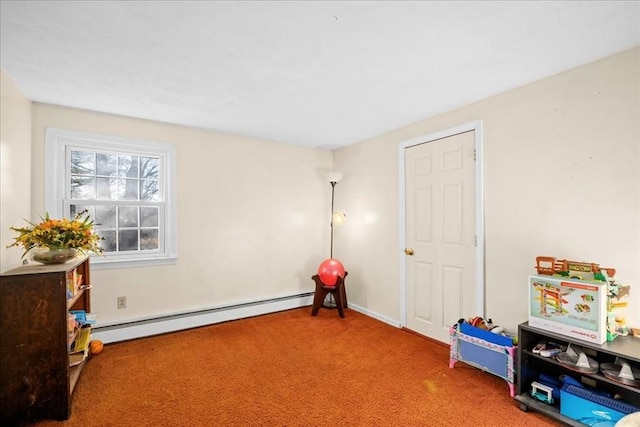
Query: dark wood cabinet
x,y
36,378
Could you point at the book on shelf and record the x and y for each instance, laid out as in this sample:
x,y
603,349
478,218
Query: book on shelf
x,y
81,343
83,318
77,358
74,281
80,347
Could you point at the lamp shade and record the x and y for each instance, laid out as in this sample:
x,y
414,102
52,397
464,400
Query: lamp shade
x,y
334,176
338,218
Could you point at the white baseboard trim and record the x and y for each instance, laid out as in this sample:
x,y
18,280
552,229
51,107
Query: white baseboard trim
x,y
178,322
375,315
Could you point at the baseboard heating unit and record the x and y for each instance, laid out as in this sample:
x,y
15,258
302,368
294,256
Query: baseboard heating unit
x,y
181,321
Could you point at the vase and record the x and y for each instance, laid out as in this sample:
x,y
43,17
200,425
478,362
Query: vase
x,y
53,255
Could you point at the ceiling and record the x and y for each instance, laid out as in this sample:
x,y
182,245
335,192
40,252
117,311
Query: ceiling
x,y
319,74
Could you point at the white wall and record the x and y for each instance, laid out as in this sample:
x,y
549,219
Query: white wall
x,y
15,168
561,178
252,218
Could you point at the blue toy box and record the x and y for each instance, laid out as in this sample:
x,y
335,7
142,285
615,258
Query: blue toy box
x,y
592,409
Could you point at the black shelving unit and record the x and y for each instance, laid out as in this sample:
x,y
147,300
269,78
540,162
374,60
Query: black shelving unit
x,y
530,365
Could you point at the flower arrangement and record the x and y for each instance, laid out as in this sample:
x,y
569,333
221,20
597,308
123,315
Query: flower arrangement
x,y
76,233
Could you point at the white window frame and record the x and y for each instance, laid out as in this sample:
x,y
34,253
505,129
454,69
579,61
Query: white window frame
x,y
59,141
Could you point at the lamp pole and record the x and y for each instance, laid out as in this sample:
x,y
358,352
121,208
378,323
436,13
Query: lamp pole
x,y
333,187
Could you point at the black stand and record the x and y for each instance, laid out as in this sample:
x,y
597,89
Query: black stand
x,y
338,292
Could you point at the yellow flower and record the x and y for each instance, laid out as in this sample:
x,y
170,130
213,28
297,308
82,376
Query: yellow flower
x,y
59,233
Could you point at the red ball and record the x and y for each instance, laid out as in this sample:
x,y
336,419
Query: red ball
x,y
329,271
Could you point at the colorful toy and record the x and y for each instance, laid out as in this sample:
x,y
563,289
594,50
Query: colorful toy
x,y
551,297
585,307
479,322
551,266
487,325
558,304
542,392
616,310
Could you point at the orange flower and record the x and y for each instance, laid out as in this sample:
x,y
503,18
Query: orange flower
x,y
59,233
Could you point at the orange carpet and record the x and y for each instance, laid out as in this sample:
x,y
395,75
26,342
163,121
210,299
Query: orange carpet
x,y
289,369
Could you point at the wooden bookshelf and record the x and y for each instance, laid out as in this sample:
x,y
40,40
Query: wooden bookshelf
x,y
36,380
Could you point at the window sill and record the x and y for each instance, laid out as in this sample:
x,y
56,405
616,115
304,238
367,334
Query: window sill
x,y
101,263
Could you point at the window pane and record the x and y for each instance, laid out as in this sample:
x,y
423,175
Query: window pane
x,y
148,239
107,188
128,189
109,242
128,216
149,167
75,209
149,190
82,187
128,240
107,164
105,217
128,166
82,163
148,217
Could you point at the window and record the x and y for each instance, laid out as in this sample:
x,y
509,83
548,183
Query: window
x,y
125,185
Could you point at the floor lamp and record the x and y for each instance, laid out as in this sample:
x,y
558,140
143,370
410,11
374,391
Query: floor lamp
x,y
336,218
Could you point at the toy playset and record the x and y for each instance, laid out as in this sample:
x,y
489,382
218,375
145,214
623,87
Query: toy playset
x,y
570,307
577,299
551,266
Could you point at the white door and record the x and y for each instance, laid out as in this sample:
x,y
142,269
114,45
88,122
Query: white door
x,y
440,236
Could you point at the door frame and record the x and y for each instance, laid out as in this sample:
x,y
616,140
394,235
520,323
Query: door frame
x,y
476,127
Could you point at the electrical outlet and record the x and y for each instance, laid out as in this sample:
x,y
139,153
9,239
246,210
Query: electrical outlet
x,y
122,302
